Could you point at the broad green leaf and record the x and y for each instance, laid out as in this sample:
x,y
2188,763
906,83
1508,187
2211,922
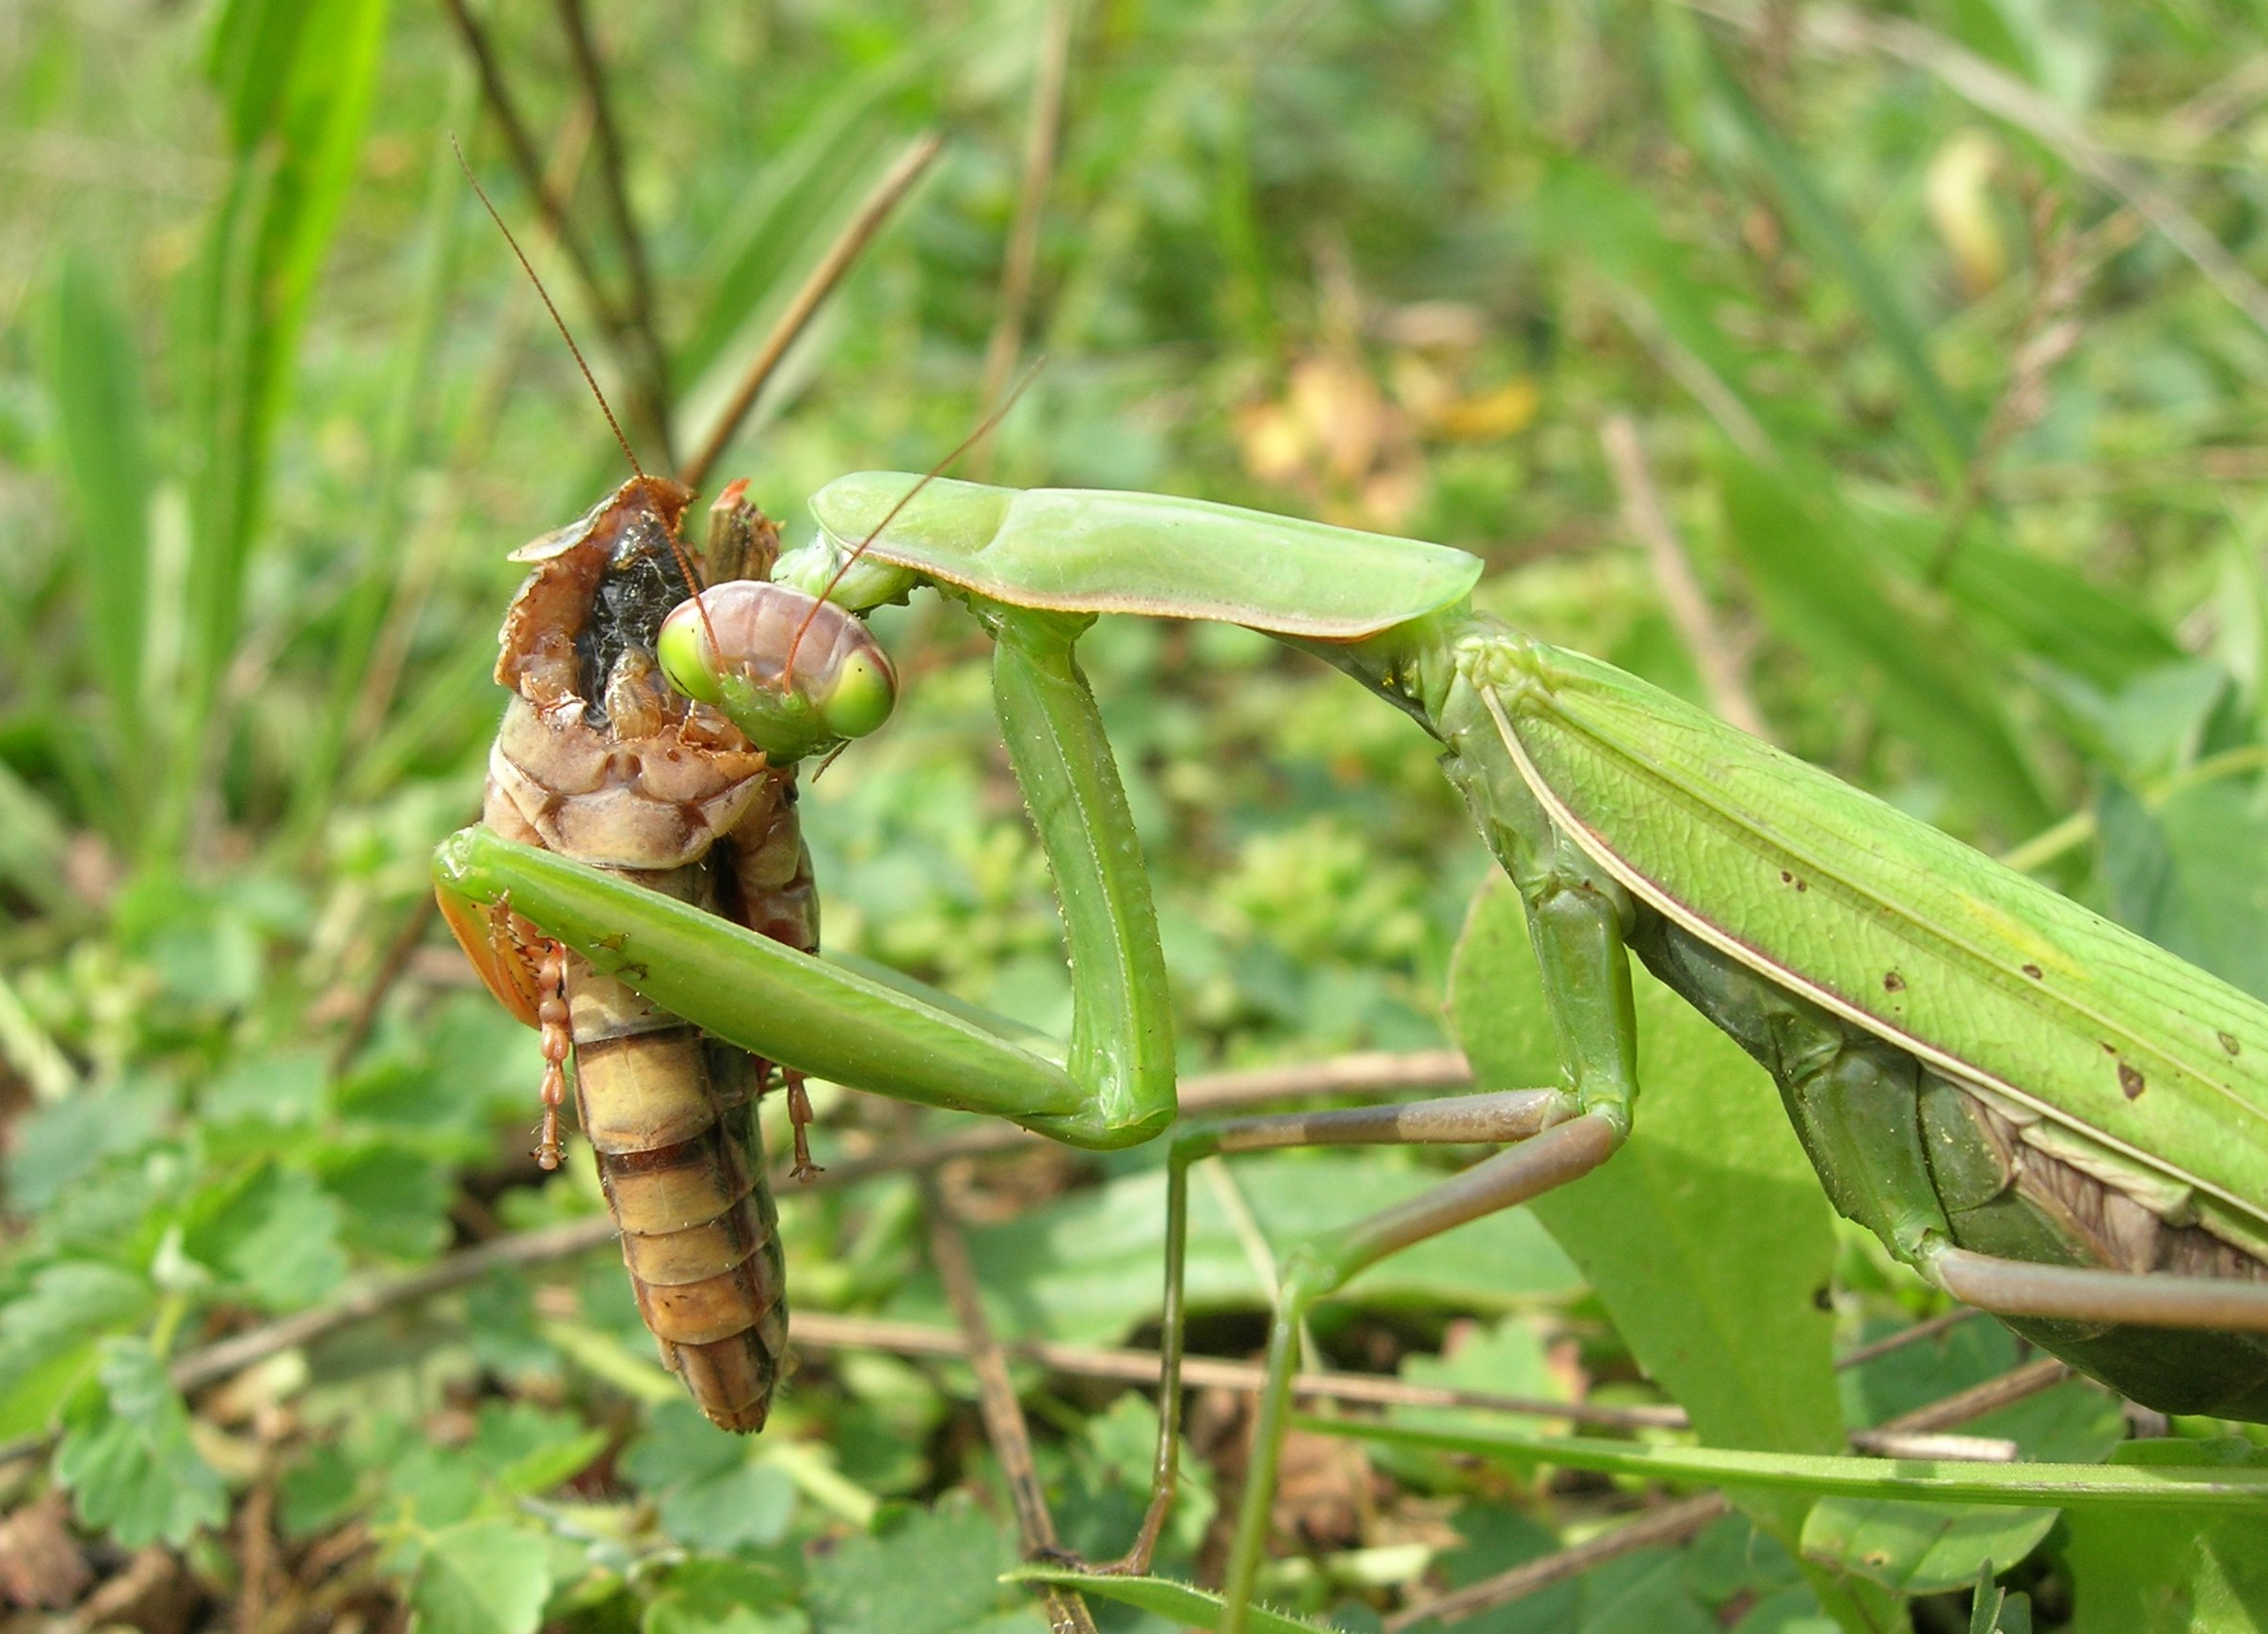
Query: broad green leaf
x,y
127,1457
285,1088
1919,1548
1091,1267
2167,1572
318,1491
725,1597
1644,1591
2190,875
273,1234
678,1446
752,1502
437,1485
480,1576
935,1573
526,1449
1726,1316
397,1199
1808,558
48,1336
1913,1374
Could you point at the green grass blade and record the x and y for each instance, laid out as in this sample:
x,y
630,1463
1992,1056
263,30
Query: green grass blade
x,y
94,380
1937,1481
388,567
297,81
1945,426
1810,560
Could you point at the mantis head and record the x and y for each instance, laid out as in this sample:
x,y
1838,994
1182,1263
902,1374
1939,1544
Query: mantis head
x,y
797,675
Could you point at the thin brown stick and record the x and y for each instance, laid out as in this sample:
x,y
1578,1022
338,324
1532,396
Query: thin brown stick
x,y
379,1295
1670,1524
1859,1355
399,951
521,146
640,324
841,257
1714,653
1362,1072
820,1330
648,414
2219,106
996,1403
1040,140
2006,1389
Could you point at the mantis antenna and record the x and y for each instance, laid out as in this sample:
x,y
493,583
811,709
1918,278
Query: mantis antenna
x,y
984,428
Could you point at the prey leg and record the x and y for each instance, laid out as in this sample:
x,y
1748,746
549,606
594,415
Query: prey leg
x,y
799,1120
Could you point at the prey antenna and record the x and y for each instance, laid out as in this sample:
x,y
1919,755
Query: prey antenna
x,y
984,430
521,255
693,577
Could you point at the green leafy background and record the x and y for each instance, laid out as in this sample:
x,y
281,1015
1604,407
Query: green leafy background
x,y
1941,328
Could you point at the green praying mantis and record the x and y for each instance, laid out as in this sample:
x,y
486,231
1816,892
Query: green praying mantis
x,y
2045,1116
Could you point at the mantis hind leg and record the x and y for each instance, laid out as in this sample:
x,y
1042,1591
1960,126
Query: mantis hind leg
x,y
1558,1141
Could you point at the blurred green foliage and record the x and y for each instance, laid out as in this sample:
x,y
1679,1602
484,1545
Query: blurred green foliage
x,y
1941,328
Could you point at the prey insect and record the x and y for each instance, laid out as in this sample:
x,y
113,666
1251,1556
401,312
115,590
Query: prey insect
x,y
2045,1116
599,760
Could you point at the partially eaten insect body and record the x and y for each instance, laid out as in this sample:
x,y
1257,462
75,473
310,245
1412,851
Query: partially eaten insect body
x,y
599,759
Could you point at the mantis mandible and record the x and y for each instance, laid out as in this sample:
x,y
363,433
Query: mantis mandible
x,y
2042,1114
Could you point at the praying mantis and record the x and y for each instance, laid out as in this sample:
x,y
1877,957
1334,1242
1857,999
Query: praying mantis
x,y
2045,1116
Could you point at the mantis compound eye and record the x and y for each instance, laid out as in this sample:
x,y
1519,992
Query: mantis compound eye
x,y
798,676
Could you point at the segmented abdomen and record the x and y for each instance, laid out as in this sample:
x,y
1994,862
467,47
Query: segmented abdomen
x,y
672,1117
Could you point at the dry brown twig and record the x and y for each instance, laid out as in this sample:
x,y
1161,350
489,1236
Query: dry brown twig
x,y
2047,335
1040,139
1714,654
650,401
998,1404
640,323
839,258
